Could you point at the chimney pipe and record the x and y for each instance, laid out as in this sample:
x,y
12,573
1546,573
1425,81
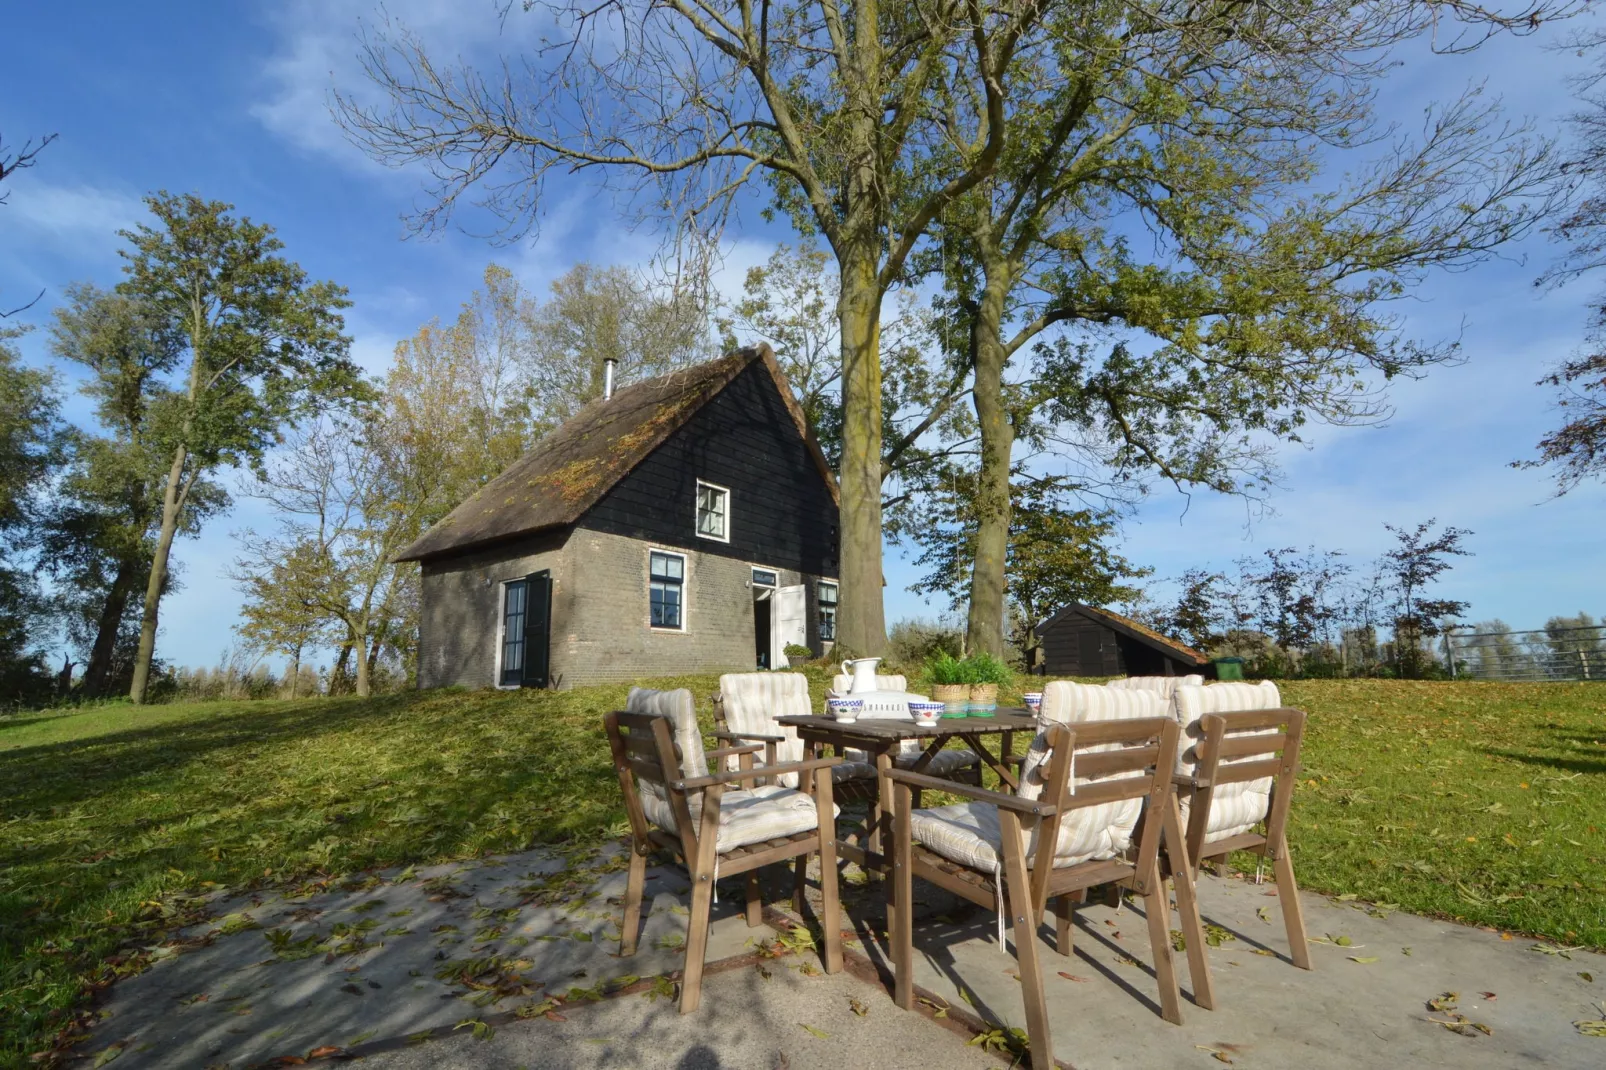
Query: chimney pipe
x,y
607,377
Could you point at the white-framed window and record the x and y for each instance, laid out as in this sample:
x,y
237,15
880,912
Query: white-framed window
x,y
766,577
666,590
713,512
510,636
827,594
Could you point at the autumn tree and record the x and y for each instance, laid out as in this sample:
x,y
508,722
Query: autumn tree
x,y
647,325
12,161
261,348
1257,300
689,100
451,413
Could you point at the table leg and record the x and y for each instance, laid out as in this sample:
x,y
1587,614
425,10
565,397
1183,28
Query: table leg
x,y
1004,774
883,830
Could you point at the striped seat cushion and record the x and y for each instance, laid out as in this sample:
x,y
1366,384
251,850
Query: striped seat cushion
x,y
745,815
1166,685
969,833
1234,808
841,682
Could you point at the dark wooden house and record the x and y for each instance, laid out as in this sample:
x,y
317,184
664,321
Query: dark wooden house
x,y
1086,641
687,523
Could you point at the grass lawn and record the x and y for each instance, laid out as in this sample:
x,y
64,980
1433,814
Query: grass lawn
x,y
1483,802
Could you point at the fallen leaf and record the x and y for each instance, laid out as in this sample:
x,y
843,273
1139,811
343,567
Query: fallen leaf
x,y
1405,951
858,1008
1587,976
1364,960
1264,951
1444,1002
1505,936
110,1052
1073,977
822,1034
1489,996
327,1051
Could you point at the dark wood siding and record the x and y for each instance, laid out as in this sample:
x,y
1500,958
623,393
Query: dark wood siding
x,y
1078,645
781,510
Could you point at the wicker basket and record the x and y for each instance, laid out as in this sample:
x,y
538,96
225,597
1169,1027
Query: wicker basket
x,y
983,700
954,697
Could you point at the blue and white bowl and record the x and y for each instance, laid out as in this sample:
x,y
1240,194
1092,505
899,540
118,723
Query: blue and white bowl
x,y
845,710
1034,701
926,713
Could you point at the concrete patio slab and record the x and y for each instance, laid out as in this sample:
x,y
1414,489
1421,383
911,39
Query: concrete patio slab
x,y
345,968
1363,1005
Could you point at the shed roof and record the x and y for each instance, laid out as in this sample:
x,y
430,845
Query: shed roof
x,y
1129,627
570,470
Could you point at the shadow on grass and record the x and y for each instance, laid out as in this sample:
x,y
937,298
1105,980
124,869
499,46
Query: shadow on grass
x,y
78,770
1567,764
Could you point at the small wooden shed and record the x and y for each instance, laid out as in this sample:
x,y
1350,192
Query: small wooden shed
x,y
1087,641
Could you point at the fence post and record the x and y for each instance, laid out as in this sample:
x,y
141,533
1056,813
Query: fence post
x,y
1449,650
1583,662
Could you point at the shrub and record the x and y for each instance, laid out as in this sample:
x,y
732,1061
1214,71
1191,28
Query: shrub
x,y
986,669
797,650
915,642
944,668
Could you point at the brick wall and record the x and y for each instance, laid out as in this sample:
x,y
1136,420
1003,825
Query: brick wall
x,y
461,605
600,612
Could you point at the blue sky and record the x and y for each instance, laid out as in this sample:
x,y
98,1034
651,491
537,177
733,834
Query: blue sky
x,y
214,99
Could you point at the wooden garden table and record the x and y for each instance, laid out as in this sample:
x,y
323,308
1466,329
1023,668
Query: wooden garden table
x,y
880,736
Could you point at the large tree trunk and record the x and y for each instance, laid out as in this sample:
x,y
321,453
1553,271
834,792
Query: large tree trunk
x,y
107,628
360,646
861,621
172,503
985,632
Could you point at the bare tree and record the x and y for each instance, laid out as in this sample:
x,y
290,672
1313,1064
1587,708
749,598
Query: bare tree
x,y
10,163
694,98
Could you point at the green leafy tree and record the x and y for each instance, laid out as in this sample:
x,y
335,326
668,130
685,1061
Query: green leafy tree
x,y
1057,555
1257,300
262,347
31,448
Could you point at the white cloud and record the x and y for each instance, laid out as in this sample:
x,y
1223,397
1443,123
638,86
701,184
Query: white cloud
x,y
68,214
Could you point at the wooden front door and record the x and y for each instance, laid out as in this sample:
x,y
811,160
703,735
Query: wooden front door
x,y
537,629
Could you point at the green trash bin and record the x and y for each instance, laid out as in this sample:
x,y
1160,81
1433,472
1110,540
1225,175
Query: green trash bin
x,y
1228,668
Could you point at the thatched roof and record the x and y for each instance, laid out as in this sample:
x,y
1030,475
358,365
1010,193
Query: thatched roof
x,y
1141,632
571,469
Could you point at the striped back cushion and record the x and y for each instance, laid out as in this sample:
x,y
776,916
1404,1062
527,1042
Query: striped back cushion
x,y
1102,831
1065,702
753,701
842,682
1165,685
681,710
1234,808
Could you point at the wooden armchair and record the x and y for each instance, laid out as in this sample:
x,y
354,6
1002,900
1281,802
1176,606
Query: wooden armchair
x,y
676,805
1055,838
747,707
1235,778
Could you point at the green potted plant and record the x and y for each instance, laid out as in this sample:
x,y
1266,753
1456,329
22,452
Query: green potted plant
x,y
985,672
949,684
796,654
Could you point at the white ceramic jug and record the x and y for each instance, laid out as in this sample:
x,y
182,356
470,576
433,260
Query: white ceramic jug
x,y
863,670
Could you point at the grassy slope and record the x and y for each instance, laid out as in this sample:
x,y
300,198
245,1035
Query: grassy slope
x,y
1479,801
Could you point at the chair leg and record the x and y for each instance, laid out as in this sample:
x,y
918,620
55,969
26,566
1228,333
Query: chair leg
x,y
1064,918
1155,905
691,984
830,903
901,930
1018,892
630,924
1293,914
755,901
1176,854
800,881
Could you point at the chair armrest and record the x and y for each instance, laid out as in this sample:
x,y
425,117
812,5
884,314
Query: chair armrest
x,y
735,736
1189,781
766,771
725,752
999,799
